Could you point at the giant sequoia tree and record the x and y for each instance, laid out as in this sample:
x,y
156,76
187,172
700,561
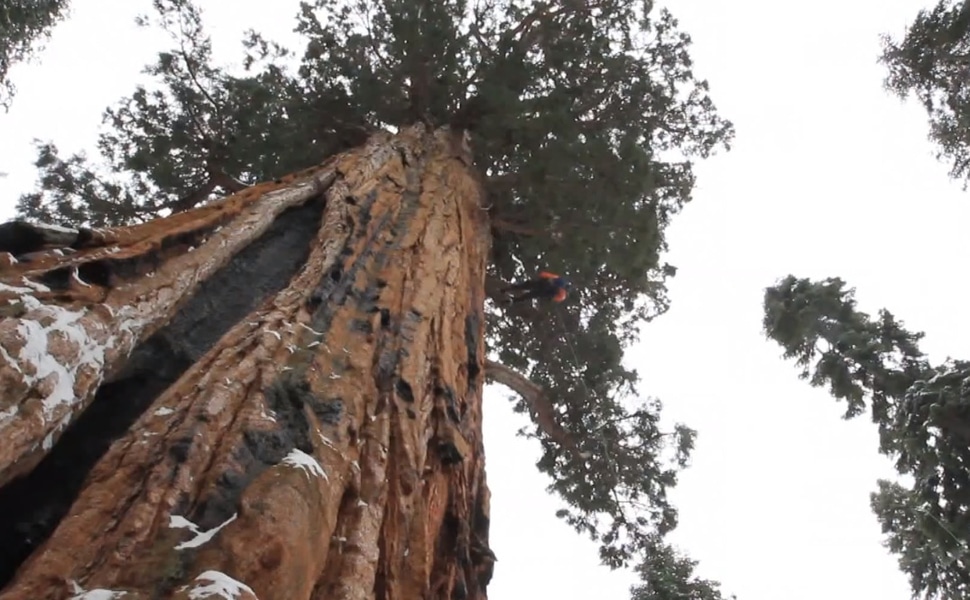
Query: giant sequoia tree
x,y
291,371
932,62
922,412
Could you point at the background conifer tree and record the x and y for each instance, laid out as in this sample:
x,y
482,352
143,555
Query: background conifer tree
x,y
922,411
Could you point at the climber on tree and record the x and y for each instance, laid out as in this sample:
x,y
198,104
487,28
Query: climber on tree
x,y
546,285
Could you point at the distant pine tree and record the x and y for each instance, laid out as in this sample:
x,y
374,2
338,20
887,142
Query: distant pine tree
x,y
932,62
922,412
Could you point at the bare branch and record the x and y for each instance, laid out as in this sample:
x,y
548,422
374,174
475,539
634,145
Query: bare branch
x,y
368,24
526,33
218,178
227,181
541,409
188,65
493,289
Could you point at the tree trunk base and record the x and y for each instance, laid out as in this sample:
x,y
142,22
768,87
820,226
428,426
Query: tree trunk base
x,y
328,445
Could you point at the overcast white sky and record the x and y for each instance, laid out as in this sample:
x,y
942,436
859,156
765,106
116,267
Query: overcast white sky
x,y
829,176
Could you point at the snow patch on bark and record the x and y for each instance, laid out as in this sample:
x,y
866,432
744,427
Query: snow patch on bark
x,y
163,412
215,584
76,277
30,287
312,330
60,229
130,324
201,537
48,442
6,414
36,362
98,594
301,460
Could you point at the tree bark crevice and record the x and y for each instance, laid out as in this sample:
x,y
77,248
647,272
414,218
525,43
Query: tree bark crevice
x,y
32,505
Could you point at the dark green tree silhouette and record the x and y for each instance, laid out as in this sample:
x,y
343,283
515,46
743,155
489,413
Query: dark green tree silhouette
x,y
23,25
932,62
922,413
585,119
668,575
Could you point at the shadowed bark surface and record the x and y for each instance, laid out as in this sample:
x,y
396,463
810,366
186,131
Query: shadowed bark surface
x,y
325,438
31,506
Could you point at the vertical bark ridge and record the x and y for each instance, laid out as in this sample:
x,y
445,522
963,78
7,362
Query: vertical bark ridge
x,y
329,446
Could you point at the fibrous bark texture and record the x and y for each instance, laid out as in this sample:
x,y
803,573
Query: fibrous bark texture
x,y
301,366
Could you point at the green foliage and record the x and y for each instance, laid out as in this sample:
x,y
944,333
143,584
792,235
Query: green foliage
x,y
936,561
668,575
859,358
922,412
585,117
23,23
932,62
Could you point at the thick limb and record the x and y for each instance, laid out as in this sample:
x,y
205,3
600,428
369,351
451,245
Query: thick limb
x,y
540,408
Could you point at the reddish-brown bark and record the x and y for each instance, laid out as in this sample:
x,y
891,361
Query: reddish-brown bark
x,y
327,447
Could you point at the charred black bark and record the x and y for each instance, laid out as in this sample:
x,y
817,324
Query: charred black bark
x,y
32,506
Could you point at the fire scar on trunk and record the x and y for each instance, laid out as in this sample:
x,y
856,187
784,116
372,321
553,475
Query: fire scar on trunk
x,y
327,446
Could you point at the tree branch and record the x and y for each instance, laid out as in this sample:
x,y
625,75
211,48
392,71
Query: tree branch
x,y
218,178
493,287
517,40
217,108
227,181
541,409
368,24
527,32
191,199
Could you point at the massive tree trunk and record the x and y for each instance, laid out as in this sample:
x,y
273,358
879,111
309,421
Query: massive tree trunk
x,y
290,381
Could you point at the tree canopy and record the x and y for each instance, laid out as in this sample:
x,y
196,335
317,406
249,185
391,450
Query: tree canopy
x,y
585,119
23,24
922,412
932,62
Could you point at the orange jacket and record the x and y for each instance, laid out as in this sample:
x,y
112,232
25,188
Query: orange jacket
x,y
561,293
